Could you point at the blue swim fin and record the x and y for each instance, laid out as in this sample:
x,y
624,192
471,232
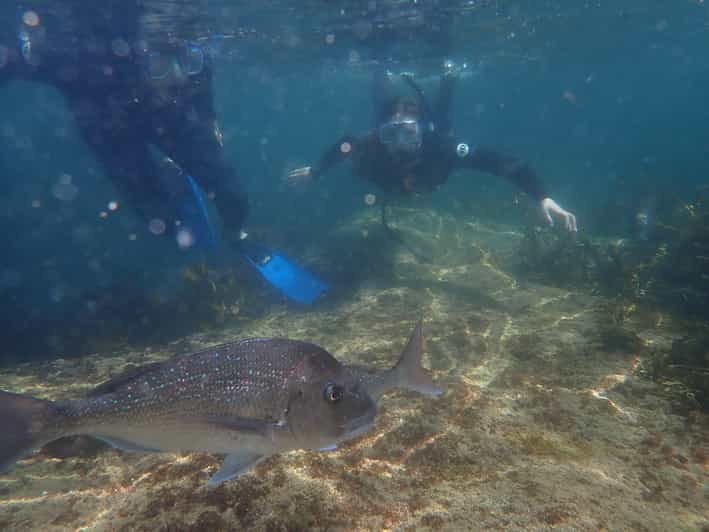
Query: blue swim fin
x,y
284,274
278,270
195,217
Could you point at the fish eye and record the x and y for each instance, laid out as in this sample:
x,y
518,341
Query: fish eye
x,y
332,392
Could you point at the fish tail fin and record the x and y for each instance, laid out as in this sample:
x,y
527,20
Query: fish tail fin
x,y
408,371
23,421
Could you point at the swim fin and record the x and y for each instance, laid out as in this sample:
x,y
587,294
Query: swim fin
x,y
195,217
283,273
195,229
278,270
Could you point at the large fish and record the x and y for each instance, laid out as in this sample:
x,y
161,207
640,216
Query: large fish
x,y
248,399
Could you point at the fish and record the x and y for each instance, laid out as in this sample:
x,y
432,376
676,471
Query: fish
x,y
248,399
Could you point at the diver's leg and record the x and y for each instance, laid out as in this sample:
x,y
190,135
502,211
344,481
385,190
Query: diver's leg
x,y
124,155
132,169
189,134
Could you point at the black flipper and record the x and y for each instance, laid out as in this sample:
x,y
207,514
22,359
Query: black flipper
x,y
23,421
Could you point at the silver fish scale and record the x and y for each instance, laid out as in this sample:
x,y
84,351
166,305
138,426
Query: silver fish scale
x,y
246,379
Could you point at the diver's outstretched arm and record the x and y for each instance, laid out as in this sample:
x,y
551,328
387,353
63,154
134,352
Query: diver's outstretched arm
x,y
335,154
447,85
520,174
512,169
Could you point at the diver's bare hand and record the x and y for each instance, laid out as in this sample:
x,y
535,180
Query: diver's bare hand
x,y
299,176
551,209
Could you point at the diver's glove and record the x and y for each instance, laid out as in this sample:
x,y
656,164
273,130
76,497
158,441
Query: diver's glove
x,y
300,176
550,207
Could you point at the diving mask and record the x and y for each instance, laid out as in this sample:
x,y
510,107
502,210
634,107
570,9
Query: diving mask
x,y
405,134
187,60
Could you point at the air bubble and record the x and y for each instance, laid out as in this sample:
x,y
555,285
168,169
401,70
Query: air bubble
x,y
30,18
64,190
120,47
157,226
185,238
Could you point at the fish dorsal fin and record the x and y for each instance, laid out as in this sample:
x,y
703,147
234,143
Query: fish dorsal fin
x,y
124,378
235,464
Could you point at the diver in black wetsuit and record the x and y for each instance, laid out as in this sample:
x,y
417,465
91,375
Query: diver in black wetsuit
x,y
142,101
413,150
142,98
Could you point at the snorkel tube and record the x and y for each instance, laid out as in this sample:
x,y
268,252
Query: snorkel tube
x,y
422,101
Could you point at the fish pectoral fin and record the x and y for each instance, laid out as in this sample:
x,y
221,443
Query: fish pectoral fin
x,y
125,445
261,427
234,465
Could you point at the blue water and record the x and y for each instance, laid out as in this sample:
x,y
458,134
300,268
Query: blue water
x,y
606,100
573,366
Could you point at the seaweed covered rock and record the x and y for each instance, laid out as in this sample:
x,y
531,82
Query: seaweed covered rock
x,y
683,370
667,265
131,309
684,275
571,260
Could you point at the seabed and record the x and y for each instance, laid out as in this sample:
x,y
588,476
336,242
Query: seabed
x,y
545,423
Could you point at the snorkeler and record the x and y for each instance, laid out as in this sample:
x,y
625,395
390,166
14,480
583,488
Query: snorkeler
x,y
142,99
413,149
136,98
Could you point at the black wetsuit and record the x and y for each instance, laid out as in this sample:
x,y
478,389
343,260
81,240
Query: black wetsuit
x,y
440,154
94,53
